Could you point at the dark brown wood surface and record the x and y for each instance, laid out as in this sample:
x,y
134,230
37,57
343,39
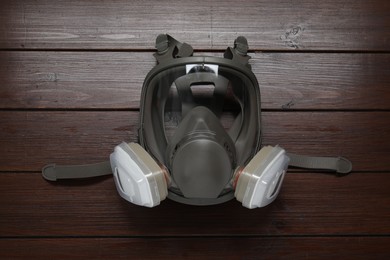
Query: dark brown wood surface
x,y
113,80
71,73
277,25
325,205
199,247
38,137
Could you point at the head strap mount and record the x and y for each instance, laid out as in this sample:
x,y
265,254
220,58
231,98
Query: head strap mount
x,y
169,48
240,52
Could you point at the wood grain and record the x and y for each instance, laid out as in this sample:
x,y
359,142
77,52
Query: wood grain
x,y
277,25
196,248
71,74
38,138
309,204
112,80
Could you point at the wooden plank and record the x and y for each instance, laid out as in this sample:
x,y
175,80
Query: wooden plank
x,y
111,80
276,25
73,79
309,204
198,248
323,81
30,140
361,137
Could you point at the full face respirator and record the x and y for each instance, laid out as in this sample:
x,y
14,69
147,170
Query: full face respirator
x,y
199,136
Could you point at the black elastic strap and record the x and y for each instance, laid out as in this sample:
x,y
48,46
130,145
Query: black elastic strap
x,y
53,172
338,164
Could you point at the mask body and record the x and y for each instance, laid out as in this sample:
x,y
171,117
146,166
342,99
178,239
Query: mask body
x,y
200,118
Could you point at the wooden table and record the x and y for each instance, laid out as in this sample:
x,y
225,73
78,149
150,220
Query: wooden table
x,y
71,74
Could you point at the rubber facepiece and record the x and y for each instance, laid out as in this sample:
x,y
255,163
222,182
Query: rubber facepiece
x,y
201,155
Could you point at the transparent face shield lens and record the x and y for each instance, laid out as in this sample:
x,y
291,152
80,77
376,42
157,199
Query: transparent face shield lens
x,y
207,85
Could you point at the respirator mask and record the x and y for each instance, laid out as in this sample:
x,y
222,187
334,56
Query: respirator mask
x,y
199,136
